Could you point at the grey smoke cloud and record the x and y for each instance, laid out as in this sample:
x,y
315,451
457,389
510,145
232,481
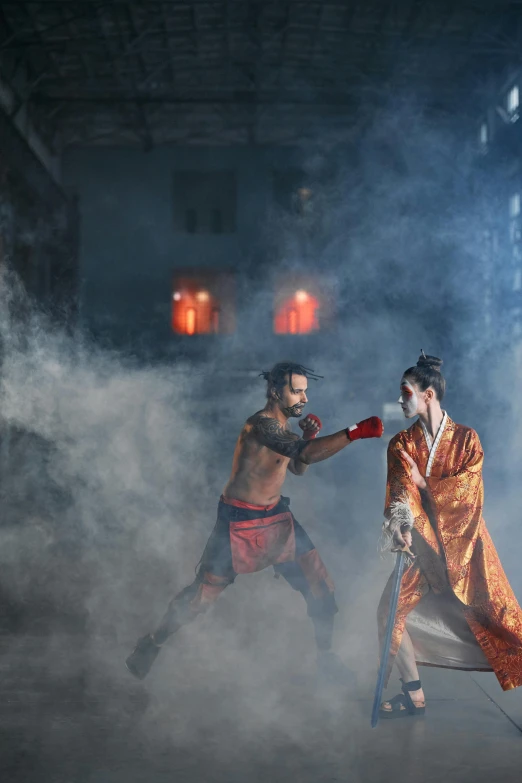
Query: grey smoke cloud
x,y
115,465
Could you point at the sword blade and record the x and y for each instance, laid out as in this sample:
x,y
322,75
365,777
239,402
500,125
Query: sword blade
x,y
394,599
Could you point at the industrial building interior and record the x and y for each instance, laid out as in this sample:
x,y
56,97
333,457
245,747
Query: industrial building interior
x,y
191,191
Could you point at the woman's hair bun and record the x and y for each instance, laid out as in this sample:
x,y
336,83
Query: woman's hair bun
x,y
429,362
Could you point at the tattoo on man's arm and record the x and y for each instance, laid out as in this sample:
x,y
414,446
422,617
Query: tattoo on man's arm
x,y
271,434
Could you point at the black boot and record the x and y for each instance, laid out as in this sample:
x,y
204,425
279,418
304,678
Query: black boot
x,y
142,657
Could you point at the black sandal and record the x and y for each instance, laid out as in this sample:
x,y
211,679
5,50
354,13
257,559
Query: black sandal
x,y
403,700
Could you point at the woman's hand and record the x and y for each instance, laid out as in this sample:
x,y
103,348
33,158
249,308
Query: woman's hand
x,y
417,479
402,538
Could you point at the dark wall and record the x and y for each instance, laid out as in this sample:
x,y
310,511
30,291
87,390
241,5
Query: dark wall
x,y
133,238
39,228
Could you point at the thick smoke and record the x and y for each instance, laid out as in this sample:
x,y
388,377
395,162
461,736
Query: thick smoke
x,y
112,466
112,474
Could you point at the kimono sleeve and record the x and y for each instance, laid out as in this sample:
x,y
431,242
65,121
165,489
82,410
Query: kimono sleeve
x,y
403,505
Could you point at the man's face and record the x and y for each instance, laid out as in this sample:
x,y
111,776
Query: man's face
x,y
409,399
293,398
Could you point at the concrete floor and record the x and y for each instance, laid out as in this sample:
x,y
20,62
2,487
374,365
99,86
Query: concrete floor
x,y
62,725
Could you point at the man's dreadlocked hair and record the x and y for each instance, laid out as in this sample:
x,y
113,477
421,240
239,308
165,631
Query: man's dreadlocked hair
x,y
281,374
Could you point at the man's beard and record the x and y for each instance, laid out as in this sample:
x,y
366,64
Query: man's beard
x,y
295,411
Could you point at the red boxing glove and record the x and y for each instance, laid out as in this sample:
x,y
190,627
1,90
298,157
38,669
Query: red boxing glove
x,y
310,430
369,428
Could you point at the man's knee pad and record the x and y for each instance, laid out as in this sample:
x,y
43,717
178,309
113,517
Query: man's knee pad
x,y
197,597
191,601
210,589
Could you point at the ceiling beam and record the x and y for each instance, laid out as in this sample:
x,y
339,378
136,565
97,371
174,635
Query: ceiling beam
x,y
89,6
350,46
84,57
167,43
141,114
278,98
50,56
339,4
349,39
102,21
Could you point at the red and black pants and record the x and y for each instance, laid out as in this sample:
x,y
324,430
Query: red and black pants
x,y
247,539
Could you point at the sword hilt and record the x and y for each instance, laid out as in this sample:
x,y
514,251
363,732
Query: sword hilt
x,y
406,549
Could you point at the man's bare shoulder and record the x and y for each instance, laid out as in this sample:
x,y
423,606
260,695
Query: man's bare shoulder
x,y
262,423
269,432
261,418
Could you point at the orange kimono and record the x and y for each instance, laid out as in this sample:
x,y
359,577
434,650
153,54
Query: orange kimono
x,y
455,598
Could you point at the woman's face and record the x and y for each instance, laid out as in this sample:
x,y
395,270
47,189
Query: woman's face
x,y
413,401
409,399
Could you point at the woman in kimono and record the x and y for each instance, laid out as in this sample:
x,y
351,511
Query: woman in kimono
x,y
456,608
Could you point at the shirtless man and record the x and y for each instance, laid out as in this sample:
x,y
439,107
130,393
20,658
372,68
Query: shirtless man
x,y
255,527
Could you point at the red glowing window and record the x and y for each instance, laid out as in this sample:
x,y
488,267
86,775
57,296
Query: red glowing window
x,y
203,303
215,320
302,306
292,320
190,320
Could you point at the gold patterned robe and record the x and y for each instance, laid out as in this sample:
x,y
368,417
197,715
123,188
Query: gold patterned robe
x,y
455,598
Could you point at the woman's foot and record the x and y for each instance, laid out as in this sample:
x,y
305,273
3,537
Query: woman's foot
x,y
417,698
410,702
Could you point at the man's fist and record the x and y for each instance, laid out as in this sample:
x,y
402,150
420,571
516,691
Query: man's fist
x,y
310,425
369,428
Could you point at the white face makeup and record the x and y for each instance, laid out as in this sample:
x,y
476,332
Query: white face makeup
x,y
408,400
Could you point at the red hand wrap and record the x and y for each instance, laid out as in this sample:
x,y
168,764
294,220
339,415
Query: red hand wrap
x,y
369,428
309,434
